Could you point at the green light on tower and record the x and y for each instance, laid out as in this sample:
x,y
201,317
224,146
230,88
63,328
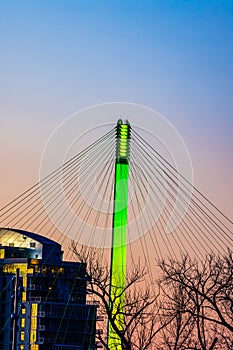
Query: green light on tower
x,y
119,235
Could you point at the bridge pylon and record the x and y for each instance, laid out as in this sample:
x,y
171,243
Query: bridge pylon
x,y
119,237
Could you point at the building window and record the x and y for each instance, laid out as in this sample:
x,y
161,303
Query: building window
x,y
34,347
32,245
11,244
33,322
23,322
21,347
2,253
34,310
33,336
21,336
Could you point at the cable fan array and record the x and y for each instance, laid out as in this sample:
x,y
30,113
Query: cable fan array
x,y
74,202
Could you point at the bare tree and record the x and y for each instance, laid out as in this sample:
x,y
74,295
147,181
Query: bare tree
x,y
192,307
141,308
180,331
206,293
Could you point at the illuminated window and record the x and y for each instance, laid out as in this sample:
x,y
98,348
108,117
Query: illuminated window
x,y
33,336
34,310
33,323
24,296
21,347
23,322
34,261
25,281
23,310
21,336
2,253
34,347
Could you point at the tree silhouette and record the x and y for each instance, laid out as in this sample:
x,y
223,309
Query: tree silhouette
x,y
190,306
141,310
201,295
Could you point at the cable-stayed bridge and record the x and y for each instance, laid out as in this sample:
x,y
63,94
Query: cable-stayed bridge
x,y
121,195
166,214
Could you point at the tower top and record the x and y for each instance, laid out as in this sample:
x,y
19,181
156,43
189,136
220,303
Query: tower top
x,y
123,134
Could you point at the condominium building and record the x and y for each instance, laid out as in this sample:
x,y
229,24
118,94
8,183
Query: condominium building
x,y
42,298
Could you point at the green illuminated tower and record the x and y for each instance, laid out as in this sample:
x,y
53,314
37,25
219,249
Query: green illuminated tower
x,y
119,234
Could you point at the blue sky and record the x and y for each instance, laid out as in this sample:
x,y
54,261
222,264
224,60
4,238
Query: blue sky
x,y
173,56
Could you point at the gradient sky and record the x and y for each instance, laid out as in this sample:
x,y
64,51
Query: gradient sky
x,y
59,56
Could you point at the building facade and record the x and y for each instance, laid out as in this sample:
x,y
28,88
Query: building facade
x,y
43,298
